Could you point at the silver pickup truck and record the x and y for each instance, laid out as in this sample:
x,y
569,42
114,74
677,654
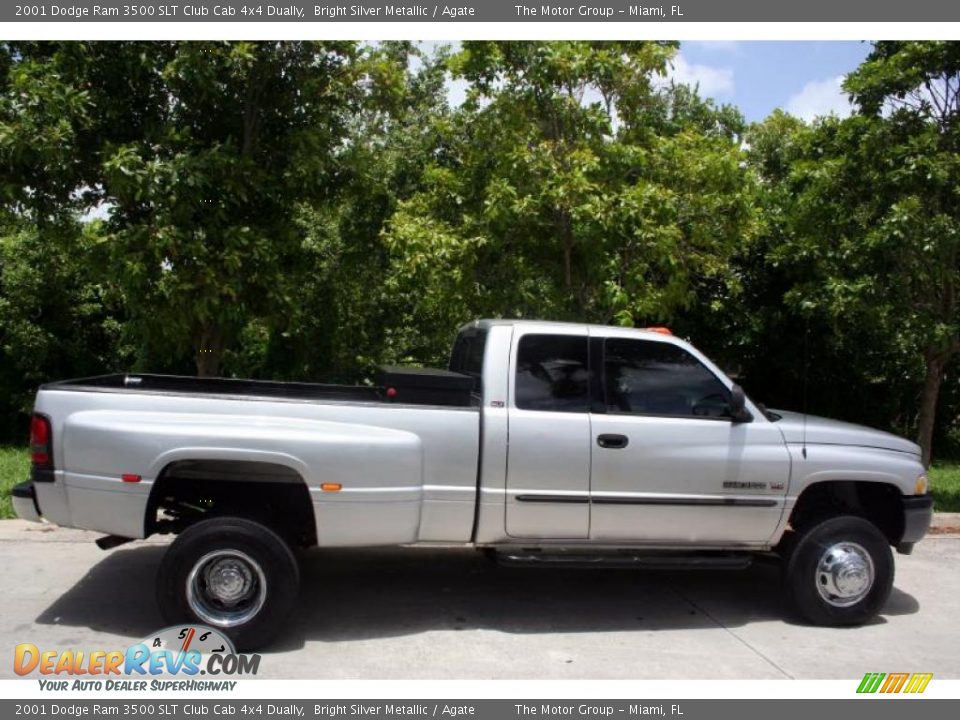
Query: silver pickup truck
x,y
542,443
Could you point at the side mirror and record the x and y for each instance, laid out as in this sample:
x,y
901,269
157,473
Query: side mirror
x,y
738,405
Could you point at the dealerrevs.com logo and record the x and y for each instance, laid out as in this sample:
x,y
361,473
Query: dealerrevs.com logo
x,y
899,682
174,658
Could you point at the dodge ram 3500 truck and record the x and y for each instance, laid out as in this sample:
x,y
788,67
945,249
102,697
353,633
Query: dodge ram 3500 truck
x,y
542,443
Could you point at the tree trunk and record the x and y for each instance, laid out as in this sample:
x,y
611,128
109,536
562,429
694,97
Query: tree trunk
x,y
209,350
936,362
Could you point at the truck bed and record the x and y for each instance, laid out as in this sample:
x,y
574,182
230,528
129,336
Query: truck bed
x,y
403,472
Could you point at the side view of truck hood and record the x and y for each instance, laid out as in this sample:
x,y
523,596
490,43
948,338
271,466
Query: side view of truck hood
x,y
820,430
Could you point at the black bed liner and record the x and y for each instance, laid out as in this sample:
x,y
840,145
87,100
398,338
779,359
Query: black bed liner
x,y
447,388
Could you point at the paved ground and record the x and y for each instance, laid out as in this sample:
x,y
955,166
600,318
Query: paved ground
x,y
452,614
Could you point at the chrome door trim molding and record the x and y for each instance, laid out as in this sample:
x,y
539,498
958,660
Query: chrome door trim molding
x,y
628,500
544,498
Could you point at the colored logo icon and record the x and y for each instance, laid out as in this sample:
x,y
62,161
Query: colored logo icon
x,y
894,682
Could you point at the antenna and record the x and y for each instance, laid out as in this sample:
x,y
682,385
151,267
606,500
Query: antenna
x,y
806,376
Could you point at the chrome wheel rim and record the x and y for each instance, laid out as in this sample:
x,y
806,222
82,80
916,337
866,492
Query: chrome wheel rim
x,y
226,588
845,574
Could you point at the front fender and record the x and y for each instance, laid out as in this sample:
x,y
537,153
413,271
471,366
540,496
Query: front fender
x,y
812,464
823,463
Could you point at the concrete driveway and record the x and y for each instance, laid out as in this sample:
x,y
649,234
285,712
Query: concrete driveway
x,y
450,613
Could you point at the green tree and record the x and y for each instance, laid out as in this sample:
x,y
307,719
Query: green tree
x,y
796,332
916,235
202,151
342,324
58,315
573,185
863,223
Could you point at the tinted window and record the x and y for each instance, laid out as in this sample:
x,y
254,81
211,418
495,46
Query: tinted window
x,y
655,378
552,373
467,354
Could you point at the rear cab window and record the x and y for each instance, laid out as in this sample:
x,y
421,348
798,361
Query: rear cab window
x,y
466,357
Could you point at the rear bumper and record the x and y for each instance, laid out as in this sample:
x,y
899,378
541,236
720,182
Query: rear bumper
x,y
25,502
917,516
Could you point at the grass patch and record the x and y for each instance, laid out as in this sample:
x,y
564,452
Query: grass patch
x,y
945,486
14,469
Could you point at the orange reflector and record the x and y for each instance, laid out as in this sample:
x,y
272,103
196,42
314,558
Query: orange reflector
x,y
130,478
659,329
331,487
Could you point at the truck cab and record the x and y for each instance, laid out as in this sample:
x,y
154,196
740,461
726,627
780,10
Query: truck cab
x,y
628,436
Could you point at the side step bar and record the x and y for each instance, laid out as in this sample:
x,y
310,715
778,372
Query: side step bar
x,y
644,560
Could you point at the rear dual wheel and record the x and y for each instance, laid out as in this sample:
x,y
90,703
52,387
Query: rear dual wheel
x,y
232,574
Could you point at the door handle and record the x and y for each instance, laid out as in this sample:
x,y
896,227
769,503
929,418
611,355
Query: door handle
x,y
613,441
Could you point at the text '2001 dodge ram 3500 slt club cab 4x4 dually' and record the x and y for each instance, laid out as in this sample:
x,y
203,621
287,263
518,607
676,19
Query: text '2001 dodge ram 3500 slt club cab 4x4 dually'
x,y
542,442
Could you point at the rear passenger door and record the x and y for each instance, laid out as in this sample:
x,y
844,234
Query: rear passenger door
x,y
670,466
548,453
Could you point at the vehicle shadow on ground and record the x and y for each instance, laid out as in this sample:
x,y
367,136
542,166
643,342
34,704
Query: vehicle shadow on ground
x,y
115,596
362,594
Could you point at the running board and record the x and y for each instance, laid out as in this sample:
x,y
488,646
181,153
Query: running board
x,y
647,561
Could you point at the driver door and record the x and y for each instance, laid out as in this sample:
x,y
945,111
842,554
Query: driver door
x,y
669,466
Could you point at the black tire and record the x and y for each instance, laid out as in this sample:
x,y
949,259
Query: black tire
x,y
810,586
266,562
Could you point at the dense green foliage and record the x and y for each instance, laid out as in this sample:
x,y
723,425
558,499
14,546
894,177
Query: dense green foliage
x,y
865,229
568,189
308,210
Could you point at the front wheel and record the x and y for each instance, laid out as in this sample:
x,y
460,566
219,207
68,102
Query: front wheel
x,y
839,571
232,574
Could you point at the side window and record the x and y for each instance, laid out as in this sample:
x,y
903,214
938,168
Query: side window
x,y
552,373
654,378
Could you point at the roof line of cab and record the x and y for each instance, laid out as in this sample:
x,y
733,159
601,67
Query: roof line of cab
x,y
491,322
